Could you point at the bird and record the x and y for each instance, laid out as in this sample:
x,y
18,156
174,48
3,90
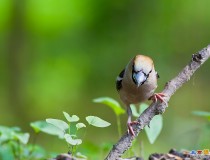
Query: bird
x,y
136,84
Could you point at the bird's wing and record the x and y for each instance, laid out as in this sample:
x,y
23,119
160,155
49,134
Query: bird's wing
x,y
157,75
119,80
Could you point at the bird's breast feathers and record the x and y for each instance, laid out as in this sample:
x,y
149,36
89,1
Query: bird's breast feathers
x,y
133,94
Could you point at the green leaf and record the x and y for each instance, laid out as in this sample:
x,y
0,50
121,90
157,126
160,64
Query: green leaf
x,y
80,155
113,104
58,123
142,107
202,114
16,129
38,126
72,141
42,126
156,125
22,137
6,152
7,133
134,111
80,125
97,122
203,138
73,118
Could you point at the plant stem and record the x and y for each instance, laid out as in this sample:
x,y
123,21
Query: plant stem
x,y
14,151
33,144
69,148
19,150
119,126
85,132
73,150
69,128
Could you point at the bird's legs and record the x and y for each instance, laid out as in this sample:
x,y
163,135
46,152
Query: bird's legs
x,y
129,122
157,96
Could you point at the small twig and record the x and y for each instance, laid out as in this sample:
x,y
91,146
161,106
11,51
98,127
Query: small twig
x,y
171,87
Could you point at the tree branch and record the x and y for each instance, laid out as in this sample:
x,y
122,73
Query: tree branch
x,y
171,87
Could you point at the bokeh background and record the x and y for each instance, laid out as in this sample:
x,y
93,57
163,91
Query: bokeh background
x,y
58,55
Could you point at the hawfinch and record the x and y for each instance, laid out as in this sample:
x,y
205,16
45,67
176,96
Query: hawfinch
x,y
137,83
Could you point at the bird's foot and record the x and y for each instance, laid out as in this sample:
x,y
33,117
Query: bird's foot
x,y
130,128
159,96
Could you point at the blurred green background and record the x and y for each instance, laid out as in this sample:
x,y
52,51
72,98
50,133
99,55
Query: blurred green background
x,y
58,55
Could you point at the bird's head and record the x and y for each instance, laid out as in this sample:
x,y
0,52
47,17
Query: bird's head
x,y
141,69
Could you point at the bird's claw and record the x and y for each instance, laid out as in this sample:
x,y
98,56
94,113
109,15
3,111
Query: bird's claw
x,y
158,96
130,129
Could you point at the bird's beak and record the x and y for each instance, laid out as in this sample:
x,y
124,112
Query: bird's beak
x,y
139,78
